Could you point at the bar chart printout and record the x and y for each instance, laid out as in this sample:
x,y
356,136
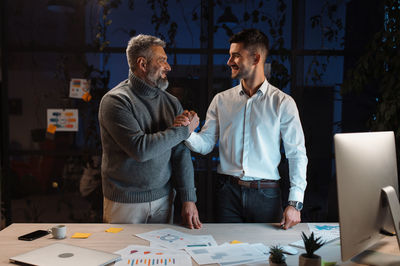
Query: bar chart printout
x,y
153,261
143,255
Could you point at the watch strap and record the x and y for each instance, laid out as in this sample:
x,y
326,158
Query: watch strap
x,y
296,204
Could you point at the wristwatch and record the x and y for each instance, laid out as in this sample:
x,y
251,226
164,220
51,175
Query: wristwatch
x,y
296,204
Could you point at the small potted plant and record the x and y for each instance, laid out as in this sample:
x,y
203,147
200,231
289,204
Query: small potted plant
x,y
311,244
276,256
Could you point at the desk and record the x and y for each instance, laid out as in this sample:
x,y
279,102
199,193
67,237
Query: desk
x,y
268,234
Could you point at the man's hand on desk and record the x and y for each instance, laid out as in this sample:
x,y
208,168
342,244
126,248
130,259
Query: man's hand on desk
x,y
190,215
291,217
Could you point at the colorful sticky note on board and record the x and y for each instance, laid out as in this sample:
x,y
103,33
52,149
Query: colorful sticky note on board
x,y
235,242
114,230
51,128
86,97
81,235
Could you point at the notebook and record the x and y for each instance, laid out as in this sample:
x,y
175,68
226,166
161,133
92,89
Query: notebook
x,y
65,254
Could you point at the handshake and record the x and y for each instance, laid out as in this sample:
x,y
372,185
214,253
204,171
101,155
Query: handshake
x,y
187,119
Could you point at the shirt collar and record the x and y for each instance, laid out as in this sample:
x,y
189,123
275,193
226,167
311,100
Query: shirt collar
x,y
263,88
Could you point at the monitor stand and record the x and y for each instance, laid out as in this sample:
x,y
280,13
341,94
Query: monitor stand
x,y
394,206
370,257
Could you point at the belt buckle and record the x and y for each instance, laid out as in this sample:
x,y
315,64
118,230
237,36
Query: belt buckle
x,y
243,183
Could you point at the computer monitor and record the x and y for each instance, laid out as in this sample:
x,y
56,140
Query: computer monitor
x,y
366,164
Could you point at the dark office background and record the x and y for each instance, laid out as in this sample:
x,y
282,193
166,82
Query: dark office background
x,y
314,45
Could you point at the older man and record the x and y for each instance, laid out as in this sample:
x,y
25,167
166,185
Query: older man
x,y
144,157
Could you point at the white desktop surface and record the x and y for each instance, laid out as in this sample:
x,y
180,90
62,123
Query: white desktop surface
x,y
268,234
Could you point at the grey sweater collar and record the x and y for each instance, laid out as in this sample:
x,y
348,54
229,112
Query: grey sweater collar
x,y
142,87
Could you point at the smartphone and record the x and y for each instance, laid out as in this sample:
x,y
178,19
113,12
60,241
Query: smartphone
x,y
33,235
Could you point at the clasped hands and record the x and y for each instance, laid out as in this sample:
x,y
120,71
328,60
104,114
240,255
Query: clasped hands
x,y
187,118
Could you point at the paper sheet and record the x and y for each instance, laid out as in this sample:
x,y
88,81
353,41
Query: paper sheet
x,y
327,231
143,255
62,119
170,238
227,254
78,88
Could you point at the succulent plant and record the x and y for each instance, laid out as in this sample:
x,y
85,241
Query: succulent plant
x,y
276,254
311,244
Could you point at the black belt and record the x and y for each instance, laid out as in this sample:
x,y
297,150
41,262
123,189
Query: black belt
x,y
251,184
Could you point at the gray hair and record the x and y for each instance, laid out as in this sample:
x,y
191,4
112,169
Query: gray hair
x,y
139,46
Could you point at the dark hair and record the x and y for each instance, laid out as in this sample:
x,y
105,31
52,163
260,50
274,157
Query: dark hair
x,y
251,39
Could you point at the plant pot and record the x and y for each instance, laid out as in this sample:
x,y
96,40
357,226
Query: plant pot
x,y
305,261
276,264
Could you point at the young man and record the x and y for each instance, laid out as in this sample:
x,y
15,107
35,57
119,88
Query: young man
x,y
142,149
250,120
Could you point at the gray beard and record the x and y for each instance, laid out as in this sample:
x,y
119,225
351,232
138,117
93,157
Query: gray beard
x,y
162,84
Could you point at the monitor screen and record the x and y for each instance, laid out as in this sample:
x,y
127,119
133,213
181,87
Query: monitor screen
x,y
365,163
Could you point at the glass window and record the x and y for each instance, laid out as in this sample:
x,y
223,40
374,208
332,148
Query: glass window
x,y
176,22
324,24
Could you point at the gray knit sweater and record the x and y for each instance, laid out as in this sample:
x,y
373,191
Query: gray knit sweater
x,y
143,154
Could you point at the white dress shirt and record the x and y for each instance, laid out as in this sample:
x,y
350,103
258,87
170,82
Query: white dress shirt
x,y
249,130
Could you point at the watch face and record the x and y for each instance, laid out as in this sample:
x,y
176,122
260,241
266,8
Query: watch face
x,y
297,204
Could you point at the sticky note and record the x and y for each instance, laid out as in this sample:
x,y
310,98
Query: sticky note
x,y
114,230
51,128
86,97
235,242
328,263
81,235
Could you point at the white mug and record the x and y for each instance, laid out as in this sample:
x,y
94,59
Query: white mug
x,y
59,231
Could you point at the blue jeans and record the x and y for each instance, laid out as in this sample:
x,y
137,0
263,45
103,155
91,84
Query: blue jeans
x,y
238,204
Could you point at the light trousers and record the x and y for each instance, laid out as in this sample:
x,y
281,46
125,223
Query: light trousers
x,y
157,211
